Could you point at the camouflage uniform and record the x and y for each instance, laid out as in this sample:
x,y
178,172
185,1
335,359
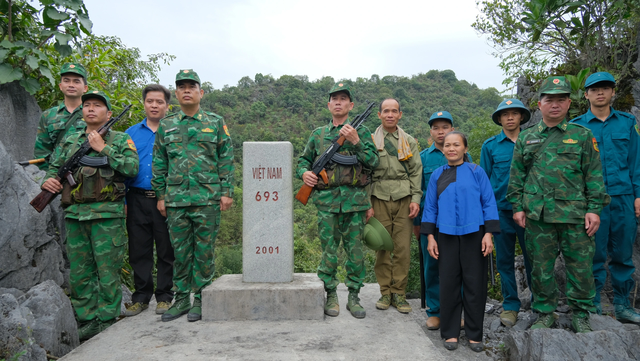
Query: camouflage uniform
x,y
341,209
96,232
555,190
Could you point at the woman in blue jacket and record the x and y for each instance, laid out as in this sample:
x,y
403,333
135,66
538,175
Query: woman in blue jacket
x,y
461,209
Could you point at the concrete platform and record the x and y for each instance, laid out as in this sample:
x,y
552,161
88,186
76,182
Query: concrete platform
x,y
230,299
382,335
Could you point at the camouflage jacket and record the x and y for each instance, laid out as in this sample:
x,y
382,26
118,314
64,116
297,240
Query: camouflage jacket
x,y
53,122
123,159
192,160
343,198
565,181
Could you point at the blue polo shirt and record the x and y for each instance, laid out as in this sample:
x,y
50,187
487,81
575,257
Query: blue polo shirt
x,y
143,137
618,138
495,159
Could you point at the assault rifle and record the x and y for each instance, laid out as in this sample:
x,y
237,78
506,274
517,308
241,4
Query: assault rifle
x,y
318,167
32,161
65,173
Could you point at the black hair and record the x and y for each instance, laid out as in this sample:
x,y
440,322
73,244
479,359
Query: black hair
x,y
384,100
156,88
464,141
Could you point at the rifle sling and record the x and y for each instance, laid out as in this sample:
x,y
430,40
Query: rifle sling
x,y
393,151
72,119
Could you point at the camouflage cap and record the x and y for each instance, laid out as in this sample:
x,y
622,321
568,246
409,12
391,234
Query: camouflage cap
x,y
341,87
187,74
441,115
511,104
75,68
96,94
555,85
599,77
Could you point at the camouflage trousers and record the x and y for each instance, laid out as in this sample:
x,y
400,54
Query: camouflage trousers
x,y
348,227
543,242
95,249
193,231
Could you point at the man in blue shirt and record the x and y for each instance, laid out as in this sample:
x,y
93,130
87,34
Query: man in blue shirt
x,y
495,159
617,136
144,222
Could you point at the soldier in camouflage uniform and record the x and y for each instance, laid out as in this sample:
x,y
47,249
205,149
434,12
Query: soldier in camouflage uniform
x,y
557,193
63,118
342,206
94,215
193,181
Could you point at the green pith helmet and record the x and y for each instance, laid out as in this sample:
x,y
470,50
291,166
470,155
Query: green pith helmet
x,y
341,87
96,94
376,236
187,74
599,77
511,104
75,68
441,115
555,85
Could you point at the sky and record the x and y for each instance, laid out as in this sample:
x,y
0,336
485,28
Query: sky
x,y
224,41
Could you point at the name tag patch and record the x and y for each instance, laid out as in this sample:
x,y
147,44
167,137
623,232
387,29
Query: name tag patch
x,y
170,130
534,141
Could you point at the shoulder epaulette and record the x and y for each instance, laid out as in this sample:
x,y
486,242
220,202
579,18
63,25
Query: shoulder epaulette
x,y
488,140
626,115
577,125
213,114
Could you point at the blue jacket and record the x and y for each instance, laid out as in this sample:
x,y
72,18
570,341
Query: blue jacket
x,y
459,200
143,137
495,159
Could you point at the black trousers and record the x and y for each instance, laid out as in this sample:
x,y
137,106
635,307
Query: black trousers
x,y
461,263
144,225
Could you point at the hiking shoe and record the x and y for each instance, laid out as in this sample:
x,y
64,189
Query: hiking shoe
x,y
433,323
179,308
626,314
162,307
331,307
135,309
509,318
195,313
580,322
89,329
353,305
384,302
400,303
545,320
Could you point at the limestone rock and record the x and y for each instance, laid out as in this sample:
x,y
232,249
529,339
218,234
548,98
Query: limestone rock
x,y
19,116
15,331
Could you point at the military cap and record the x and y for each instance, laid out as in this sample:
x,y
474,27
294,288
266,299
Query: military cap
x,y
341,87
187,74
441,115
555,85
599,77
75,68
376,236
96,94
511,104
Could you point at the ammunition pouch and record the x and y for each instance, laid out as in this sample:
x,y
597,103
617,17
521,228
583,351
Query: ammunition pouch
x,y
344,175
94,185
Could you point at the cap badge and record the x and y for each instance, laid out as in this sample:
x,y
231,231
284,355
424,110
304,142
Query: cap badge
x,y
72,66
556,81
509,102
440,113
95,92
185,71
340,84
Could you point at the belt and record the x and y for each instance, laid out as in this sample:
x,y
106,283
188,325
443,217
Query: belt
x,y
144,192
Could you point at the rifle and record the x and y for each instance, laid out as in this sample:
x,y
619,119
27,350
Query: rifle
x,y
65,173
318,167
32,161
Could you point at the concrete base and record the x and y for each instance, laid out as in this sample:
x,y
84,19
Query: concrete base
x,y
230,299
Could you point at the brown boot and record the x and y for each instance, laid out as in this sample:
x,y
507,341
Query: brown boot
x,y
433,323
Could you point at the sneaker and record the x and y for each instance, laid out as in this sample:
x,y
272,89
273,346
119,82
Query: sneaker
x,y
626,314
545,320
162,307
135,309
195,313
400,303
509,318
384,302
181,306
89,329
580,322
331,307
354,307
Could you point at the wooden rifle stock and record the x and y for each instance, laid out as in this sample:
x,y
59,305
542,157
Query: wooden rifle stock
x,y
41,200
304,193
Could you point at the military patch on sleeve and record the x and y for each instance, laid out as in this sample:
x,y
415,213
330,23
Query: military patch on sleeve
x,y
131,144
373,139
207,130
226,131
595,144
533,141
570,141
637,130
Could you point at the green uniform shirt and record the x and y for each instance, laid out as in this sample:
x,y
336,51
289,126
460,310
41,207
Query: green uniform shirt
x,y
344,198
192,160
123,158
565,182
393,180
52,123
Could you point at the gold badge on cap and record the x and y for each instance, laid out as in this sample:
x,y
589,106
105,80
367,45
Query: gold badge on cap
x,y
556,81
340,84
439,113
509,102
72,66
95,92
185,71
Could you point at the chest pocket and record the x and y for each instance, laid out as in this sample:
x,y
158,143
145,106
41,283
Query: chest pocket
x,y
569,153
502,165
173,144
207,143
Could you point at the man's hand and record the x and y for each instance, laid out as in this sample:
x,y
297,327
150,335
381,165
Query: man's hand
x,y
369,213
432,247
225,203
350,134
414,208
52,185
309,178
95,141
519,218
487,244
161,208
636,205
591,223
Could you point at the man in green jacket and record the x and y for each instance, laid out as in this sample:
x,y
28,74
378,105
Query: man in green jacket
x,y
557,193
342,206
193,181
94,215
395,199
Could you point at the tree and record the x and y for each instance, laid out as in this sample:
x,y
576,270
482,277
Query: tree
x,y
31,36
